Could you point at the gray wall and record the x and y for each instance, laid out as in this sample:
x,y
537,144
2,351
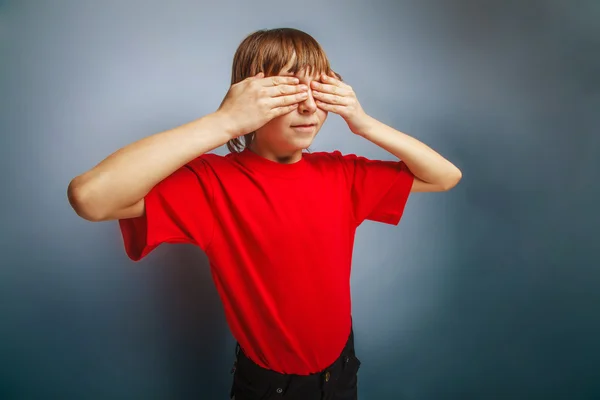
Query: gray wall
x,y
490,291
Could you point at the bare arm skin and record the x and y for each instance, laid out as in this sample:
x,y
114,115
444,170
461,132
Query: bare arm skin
x,y
115,188
433,173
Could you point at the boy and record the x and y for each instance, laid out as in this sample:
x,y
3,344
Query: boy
x,y
277,224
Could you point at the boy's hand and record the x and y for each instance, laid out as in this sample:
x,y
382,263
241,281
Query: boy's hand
x,y
253,102
336,96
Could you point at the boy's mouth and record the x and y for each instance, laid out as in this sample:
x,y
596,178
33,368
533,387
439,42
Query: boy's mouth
x,y
305,128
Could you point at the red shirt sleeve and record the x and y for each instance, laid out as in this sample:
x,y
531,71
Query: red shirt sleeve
x,y
177,210
379,189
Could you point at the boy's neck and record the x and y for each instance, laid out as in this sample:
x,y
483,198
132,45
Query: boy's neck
x,y
272,155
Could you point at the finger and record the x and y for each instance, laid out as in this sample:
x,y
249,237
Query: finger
x,y
284,101
336,76
332,79
280,80
331,98
278,111
329,88
329,107
283,90
260,75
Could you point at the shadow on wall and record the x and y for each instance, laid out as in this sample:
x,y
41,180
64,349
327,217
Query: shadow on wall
x,y
196,333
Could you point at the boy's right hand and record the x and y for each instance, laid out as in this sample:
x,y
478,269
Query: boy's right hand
x,y
256,100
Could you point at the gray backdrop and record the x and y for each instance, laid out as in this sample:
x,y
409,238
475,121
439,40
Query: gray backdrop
x,y
489,291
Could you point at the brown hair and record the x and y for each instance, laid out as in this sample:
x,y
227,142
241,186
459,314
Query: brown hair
x,y
269,51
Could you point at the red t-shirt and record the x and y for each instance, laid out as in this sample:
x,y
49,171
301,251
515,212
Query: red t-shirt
x,y
279,238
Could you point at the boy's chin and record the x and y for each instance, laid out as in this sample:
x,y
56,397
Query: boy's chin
x,y
300,144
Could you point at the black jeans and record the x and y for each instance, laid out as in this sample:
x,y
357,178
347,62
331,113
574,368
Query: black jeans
x,y
336,382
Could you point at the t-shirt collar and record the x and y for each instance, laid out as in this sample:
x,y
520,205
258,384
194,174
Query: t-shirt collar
x,y
268,167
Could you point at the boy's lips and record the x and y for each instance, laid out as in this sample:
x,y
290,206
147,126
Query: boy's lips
x,y
305,128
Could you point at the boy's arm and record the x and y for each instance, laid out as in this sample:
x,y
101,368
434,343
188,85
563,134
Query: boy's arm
x,y
116,187
433,173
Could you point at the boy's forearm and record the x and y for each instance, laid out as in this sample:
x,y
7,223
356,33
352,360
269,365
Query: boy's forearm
x,y
425,163
126,176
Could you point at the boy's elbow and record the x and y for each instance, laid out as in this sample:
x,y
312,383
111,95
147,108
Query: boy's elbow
x,y
80,200
452,179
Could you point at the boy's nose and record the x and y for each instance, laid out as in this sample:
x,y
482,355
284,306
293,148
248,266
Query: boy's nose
x,y
308,106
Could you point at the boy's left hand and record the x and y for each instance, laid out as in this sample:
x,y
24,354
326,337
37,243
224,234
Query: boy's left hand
x,y
336,96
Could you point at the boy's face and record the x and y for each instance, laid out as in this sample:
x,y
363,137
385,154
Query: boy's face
x,y
293,132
